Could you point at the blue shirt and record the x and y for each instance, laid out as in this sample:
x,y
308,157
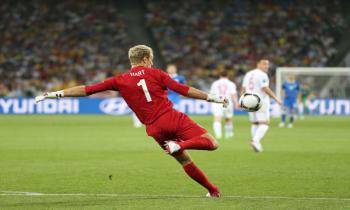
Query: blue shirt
x,y
174,96
291,90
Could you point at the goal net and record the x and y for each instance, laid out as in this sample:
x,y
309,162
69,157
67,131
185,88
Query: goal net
x,y
324,91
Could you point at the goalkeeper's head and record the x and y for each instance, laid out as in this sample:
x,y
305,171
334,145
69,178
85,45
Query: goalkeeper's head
x,y
141,55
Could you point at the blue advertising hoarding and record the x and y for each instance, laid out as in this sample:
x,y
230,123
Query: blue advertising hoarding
x,y
117,106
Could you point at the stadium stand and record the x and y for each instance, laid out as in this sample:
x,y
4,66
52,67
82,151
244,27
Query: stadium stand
x,y
235,33
67,42
60,42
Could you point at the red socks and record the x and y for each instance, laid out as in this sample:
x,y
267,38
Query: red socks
x,y
200,143
197,175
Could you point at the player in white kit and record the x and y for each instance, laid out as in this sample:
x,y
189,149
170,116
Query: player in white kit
x,y
257,81
136,122
227,89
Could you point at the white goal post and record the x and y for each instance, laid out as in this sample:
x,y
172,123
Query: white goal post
x,y
333,73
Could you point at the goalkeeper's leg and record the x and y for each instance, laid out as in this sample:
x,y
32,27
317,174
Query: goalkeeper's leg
x,y
195,173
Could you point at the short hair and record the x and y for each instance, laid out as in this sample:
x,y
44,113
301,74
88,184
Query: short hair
x,y
262,59
224,73
171,65
138,52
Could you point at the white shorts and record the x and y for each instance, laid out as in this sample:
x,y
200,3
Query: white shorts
x,y
176,106
262,115
219,111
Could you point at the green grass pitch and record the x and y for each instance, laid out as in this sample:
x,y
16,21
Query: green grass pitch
x,y
101,162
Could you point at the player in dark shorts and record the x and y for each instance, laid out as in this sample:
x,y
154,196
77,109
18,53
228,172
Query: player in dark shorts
x,y
305,95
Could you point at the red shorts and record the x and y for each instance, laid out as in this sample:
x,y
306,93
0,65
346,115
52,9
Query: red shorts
x,y
175,126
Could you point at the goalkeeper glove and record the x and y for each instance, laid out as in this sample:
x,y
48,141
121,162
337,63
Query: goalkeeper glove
x,y
57,94
217,99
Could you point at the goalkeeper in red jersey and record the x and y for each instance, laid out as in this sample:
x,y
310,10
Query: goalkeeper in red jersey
x,y
145,91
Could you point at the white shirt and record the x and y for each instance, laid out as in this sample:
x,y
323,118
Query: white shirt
x,y
224,87
254,81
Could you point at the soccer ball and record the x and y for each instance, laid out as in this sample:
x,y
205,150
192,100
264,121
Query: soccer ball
x,y
250,102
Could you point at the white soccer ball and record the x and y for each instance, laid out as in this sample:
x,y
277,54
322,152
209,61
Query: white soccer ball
x,y
250,102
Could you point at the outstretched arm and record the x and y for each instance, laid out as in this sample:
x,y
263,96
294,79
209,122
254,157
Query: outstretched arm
x,y
198,94
192,92
69,92
79,91
235,100
269,92
243,90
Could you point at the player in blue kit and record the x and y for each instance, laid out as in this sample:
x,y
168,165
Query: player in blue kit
x,y
174,97
291,90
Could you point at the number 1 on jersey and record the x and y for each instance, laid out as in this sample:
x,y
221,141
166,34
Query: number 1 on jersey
x,y
142,83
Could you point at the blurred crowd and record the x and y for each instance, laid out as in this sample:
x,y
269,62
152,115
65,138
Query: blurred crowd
x,y
50,45
233,34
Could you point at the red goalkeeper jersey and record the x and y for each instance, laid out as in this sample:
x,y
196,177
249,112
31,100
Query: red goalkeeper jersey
x,y
144,90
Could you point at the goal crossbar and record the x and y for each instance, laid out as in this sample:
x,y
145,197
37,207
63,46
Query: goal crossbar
x,y
318,71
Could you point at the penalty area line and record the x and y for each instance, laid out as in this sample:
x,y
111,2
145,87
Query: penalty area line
x,y
20,193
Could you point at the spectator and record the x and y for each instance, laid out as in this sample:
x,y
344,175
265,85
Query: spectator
x,y
236,33
63,42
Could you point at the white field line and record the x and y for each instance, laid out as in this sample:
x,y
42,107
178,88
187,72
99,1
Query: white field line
x,y
18,193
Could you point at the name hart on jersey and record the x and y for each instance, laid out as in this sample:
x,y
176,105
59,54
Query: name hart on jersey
x,y
137,74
